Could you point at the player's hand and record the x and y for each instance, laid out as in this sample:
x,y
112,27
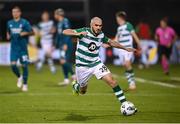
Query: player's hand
x,y
169,45
65,47
130,49
82,33
138,52
23,34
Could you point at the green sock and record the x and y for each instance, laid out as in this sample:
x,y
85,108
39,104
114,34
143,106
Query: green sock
x,y
119,94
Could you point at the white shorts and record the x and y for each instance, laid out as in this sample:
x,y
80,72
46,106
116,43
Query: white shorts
x,y
85,73
125,55
47,48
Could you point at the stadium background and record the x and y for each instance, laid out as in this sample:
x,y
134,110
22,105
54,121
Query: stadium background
x,y
80,11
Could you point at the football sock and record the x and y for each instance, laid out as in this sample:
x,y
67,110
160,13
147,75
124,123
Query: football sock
x,y
119,94
130,76
15,70
25,73
65,70
50,63
165,64
70,69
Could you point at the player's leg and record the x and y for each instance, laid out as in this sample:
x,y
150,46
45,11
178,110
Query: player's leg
x,y
163,54
64,64
102,72
69,64
129,73
165,60
116,88
41,59
24,62
15,69
83,75
50,60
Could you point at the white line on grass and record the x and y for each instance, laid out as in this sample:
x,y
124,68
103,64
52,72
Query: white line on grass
x,y
141,80
175,78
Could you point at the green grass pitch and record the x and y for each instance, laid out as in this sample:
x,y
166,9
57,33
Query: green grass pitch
x,y
47,102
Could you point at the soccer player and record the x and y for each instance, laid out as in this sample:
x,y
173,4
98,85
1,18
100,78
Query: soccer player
x,y
18,30
125,35
166,36
88,62
46,30
64,43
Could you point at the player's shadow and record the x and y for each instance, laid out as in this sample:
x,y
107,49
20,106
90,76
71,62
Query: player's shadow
x,y
10,92
76,117
81,118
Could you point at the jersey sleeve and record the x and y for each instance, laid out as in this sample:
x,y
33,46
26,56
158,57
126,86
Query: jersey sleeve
x,y
105,39
130,27
173,33
27,27
67,24
80,30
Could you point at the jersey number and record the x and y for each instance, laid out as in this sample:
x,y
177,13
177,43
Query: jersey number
x,y
103,69
24,58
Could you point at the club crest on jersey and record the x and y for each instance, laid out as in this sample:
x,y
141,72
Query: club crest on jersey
x,y
20,26
92,46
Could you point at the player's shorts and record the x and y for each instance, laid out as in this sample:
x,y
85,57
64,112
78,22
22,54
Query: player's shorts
x,y
125,55
19,55
85,73
163,50
47,48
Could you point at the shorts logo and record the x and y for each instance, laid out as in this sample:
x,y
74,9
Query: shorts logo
x,y
92,46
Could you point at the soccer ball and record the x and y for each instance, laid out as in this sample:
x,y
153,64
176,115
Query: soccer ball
x,y
128,108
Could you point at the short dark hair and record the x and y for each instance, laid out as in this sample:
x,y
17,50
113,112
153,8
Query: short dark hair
x,y
165,19
17,7
59,11
121,14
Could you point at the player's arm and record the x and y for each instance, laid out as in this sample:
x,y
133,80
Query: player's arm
x,y
27,30
119,46
71,32
136,39
23,33
8,36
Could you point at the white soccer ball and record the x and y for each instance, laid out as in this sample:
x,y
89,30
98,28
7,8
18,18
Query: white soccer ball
x,y
128,108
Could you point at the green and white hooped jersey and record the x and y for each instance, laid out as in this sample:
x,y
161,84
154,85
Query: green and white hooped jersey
x,y
87,51
124,35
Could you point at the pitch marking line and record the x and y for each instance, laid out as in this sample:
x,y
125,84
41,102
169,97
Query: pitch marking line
x,y
141,80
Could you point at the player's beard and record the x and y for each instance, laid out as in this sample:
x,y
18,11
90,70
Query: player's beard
x,y
96,33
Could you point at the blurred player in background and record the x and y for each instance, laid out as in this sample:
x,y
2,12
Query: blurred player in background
x,y
46,30
166,36
64,44
88,62
18,30
125,35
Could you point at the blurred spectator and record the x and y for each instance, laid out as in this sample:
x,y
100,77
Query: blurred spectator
x,y
165,35
144,32
175,58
